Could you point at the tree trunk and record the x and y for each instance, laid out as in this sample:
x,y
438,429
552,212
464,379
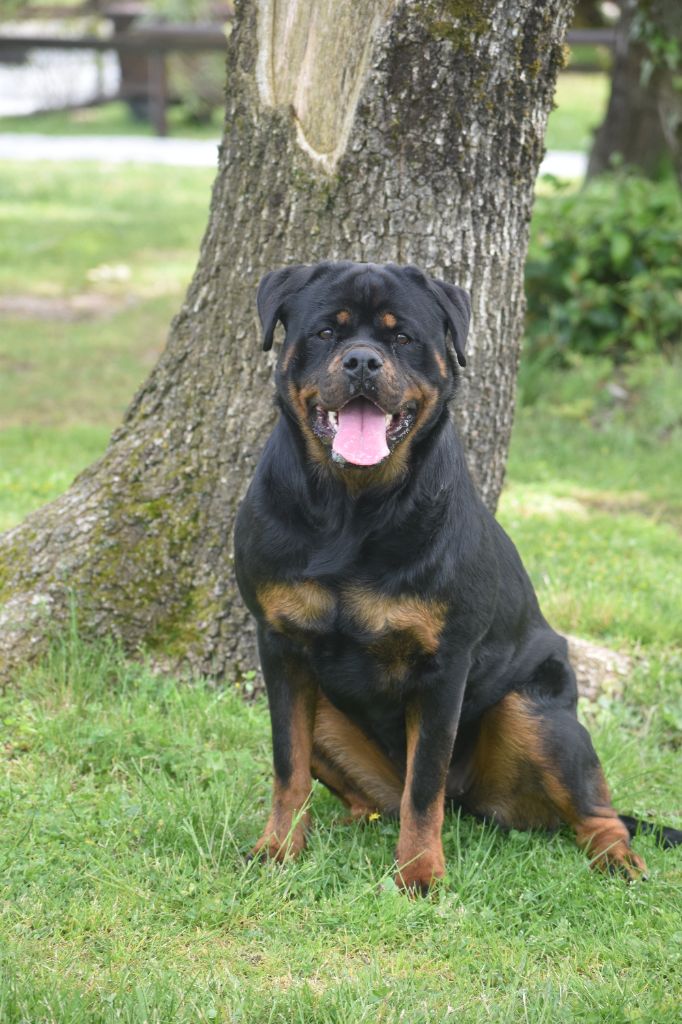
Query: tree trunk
x,y
407,131
642,120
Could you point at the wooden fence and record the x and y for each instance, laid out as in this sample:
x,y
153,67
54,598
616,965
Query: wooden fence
x,y
153,44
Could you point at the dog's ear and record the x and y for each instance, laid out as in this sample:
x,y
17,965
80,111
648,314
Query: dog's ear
x,y
456,305
273,291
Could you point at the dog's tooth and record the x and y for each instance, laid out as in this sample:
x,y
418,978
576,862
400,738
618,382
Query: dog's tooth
x,y
388,419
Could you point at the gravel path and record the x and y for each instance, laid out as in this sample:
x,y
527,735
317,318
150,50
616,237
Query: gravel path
x,y
116,149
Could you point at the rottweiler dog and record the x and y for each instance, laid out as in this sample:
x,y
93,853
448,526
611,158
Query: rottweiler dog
x,y
407,663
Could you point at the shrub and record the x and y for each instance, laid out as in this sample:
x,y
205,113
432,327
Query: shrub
x,y
604,271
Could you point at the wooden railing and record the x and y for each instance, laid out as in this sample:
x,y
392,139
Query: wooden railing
x,y
152,43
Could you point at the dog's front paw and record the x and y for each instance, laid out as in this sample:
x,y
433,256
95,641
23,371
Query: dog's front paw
x,y
419,873
280,843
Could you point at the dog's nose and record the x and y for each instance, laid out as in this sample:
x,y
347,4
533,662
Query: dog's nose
x,y
362,362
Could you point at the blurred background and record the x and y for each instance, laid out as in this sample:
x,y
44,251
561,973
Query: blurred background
x,y
113,67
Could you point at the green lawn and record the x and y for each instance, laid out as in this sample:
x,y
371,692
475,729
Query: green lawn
x,y
115,230
112,118
594,499
128,801
580,104
97,258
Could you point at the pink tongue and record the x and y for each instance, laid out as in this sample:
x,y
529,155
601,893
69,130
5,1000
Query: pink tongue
x,y
361,434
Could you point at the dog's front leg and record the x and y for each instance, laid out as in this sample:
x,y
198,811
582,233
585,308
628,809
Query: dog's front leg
x,y
291,696
431,724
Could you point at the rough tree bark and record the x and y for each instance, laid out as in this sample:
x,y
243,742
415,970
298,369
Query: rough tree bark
x,y
406,130
643,121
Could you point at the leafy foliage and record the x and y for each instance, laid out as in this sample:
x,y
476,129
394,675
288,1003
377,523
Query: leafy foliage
x,y
655,25
604,273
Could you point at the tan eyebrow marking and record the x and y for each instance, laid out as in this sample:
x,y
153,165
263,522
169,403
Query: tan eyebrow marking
x,y
389,320
343,316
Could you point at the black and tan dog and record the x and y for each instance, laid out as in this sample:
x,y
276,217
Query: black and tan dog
x,y
407,663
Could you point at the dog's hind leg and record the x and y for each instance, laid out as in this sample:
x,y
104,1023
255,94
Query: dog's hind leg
x,y
534,766
352,766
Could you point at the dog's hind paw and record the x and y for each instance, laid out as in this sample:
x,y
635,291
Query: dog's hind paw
x,y
621,861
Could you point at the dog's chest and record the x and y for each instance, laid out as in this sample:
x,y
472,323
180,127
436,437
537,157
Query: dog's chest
x,y
395,630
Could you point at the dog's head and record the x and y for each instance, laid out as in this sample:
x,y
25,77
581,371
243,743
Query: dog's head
x,y
370,356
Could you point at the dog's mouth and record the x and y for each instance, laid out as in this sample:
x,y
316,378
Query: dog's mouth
x,y
361,432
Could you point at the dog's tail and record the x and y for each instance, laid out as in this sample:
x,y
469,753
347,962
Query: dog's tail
x,y
665,836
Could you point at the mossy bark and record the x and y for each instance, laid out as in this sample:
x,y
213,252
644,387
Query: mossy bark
x,y
422,148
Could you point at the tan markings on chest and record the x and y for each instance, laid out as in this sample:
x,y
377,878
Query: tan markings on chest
x,y
381,615
305,605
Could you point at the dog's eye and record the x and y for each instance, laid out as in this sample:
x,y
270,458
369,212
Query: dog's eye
x,y
327,334
402,339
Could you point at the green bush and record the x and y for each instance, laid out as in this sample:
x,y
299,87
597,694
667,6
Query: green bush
x,y
604,271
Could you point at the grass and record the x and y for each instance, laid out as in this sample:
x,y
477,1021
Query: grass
x,y
117,230
93,264
128,800
113,118
594,497
580,104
